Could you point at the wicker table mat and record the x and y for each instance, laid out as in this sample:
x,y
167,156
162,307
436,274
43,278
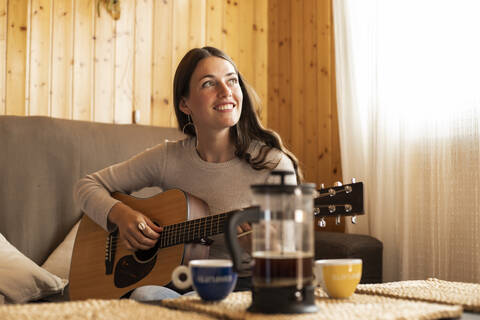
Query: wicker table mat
x,y
358,306
433,290
94,309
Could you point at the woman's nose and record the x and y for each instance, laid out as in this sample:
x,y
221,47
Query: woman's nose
x,y
224,90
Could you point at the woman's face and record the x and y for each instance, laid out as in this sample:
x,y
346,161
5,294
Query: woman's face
x,y
215,98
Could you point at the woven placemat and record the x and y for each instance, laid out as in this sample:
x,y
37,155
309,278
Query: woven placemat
x,y
94,309
358,306
433,290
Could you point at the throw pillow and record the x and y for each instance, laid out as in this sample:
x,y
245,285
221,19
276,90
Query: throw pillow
x,y
59,261
21,279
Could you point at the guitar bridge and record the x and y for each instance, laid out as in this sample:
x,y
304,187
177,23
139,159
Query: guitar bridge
x,y
110,249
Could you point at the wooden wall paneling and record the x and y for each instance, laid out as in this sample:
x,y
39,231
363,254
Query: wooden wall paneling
x,y
336,168
181,44
232,37
336,165
62,59
181,31
310,102
40,50
197,21
328,147
162,69
324,93
273,101
124,63
104,93
285,107
259,55
142,76
214,26
3,54
16,57
298,83
83,60
336,157
242,39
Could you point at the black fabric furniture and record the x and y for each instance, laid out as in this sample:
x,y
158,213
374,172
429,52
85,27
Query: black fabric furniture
x,y
334,245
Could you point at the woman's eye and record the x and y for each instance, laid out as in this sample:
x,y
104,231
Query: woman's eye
x,y
207,84
233,81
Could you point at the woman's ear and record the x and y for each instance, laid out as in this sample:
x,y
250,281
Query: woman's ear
x,y
183,107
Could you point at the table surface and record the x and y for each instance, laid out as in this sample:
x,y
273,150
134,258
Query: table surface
x,y
465,315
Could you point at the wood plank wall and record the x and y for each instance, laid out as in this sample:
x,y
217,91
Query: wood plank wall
x,y
62,58
301,87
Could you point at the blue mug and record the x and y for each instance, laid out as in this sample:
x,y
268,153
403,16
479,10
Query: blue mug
x,y
212,279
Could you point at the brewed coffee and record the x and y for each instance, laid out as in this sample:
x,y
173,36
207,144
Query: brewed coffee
x,y
273,269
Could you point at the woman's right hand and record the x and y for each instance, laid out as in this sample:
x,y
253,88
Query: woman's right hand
x,y
128,222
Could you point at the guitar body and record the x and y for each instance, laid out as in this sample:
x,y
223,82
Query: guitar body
x,y
88,275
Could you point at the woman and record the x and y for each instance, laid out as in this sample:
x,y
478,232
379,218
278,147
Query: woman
x,y
226,151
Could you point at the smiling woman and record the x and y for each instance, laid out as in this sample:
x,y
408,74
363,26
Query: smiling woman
x,y
209,72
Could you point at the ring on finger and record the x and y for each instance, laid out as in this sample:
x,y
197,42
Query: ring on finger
x,y
142,226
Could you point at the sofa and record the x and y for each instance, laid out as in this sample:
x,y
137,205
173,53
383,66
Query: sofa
x,y
41,159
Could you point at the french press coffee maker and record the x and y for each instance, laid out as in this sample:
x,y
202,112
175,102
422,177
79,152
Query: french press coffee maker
x,y
282,246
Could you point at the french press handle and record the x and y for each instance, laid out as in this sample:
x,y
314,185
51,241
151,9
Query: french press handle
x,y
252,215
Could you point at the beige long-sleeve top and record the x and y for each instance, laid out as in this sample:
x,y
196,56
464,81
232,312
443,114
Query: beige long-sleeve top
x,y
223,186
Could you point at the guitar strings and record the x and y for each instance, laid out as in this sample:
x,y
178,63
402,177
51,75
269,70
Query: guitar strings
x,y
327,194
197,228
191,230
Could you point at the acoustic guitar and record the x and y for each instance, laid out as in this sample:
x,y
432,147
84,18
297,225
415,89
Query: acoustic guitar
x,y
101,268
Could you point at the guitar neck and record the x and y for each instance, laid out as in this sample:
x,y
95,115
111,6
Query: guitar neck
x,y
345,200
192,230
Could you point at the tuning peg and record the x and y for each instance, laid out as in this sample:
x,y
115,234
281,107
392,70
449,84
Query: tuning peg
x,y
316,211
337,184
332,192
337,220
354,220
353,180
322,223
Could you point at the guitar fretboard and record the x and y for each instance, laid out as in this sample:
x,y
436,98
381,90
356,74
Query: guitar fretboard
x,y
191,230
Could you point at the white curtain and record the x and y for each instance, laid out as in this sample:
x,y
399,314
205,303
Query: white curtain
x,y
408,83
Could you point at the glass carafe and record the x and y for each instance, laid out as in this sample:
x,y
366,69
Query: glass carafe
x,y
282,246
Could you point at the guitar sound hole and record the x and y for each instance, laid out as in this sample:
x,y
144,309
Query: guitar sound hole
x,y
146,255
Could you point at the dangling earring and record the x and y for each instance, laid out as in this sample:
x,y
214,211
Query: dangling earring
x,y
189,123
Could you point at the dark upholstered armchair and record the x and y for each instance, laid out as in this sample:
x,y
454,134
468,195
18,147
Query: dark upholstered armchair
x,y
335,245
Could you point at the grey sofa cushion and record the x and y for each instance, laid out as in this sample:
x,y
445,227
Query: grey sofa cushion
x,y
41,159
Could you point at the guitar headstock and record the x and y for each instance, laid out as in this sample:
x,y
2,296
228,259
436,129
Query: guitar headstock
x,y
338,201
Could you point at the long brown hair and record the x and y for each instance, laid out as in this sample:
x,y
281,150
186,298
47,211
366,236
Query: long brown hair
x,y
248,127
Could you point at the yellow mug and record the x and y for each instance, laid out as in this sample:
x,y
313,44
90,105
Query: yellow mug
x,y
338,277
